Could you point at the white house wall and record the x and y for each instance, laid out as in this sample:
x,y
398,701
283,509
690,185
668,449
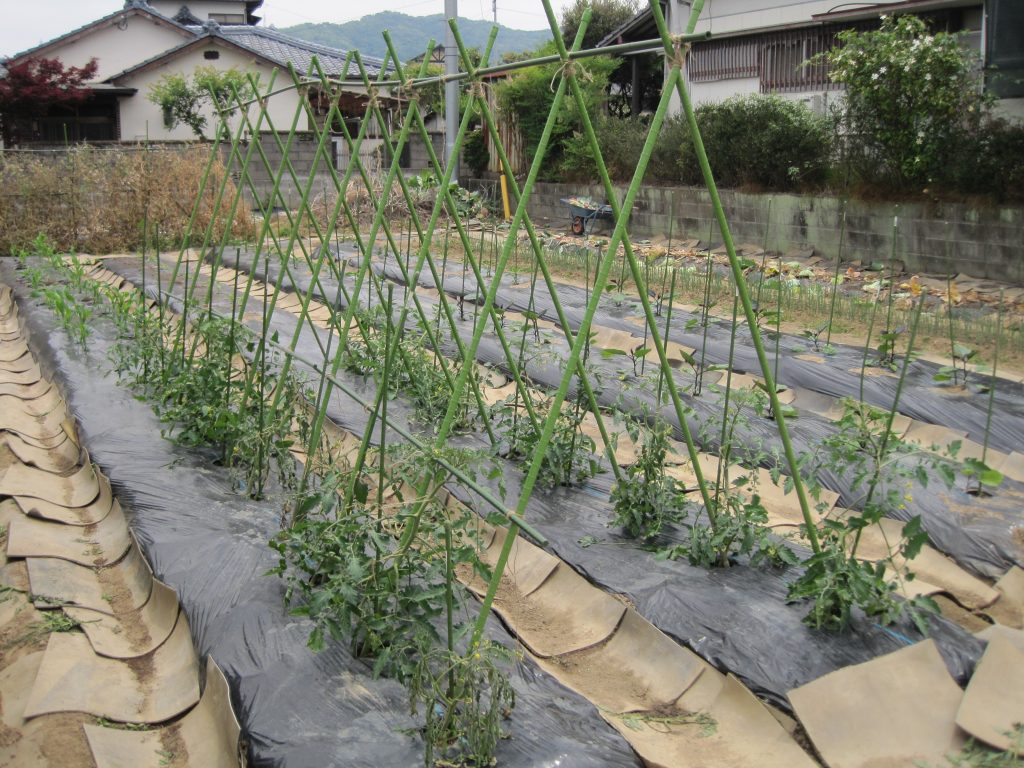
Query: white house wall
x,y
139,114
721,16
818,101
720,90
201,10
117,49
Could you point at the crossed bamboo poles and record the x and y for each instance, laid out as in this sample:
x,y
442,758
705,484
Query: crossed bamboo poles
x,y
461,382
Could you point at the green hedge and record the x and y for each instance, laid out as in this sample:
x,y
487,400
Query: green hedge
x,y
772,144
762,142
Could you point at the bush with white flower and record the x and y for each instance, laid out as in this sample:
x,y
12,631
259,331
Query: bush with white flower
x,y
910,97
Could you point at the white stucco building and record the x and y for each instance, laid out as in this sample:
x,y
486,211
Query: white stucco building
x,y
759,46
139,43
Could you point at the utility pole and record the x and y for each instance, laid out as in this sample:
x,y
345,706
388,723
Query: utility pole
x,y
451,89
494,6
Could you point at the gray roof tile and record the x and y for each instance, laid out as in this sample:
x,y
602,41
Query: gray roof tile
x,y
281,49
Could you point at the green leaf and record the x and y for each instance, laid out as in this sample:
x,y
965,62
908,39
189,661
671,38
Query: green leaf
x,y
960,352
990,476
316,640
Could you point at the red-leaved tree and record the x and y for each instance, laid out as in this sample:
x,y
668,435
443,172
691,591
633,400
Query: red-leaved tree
x,y
31,87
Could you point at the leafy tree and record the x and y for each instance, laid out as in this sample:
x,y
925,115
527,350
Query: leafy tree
x,y
183,100
911,96
606,17
527,96
32,87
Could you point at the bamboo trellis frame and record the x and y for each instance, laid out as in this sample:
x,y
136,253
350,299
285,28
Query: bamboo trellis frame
x,y
255,122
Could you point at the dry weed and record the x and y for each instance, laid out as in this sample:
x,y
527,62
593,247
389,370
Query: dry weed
x,y
95,200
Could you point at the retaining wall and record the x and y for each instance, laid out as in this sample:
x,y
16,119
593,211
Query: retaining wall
x,y
984,242
302,152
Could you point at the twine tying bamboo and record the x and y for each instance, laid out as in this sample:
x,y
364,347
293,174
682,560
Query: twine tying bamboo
x,y
372,100
680,51
407,90
569,69
478,89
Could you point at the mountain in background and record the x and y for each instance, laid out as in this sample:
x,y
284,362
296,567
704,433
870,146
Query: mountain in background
x,y
410,34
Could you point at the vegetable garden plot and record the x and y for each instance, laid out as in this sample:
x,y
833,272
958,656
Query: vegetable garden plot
x,y
978,532
721,699
210,544
570,380
735,618
322,342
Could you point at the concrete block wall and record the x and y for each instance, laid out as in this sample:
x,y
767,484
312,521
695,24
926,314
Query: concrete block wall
x,y
419,160
303,151
984,242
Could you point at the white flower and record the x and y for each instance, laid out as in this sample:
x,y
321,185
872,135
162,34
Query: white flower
x,y
874,76
882,71
928,76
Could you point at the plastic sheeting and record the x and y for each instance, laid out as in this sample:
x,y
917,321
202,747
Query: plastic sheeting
x,y
735,618
977,532
297,708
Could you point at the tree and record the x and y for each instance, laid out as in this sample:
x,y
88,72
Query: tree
x,y
432,96
32,87
526,97
911,98
183,100
607,16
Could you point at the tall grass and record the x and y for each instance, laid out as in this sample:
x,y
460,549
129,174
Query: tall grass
x,y
94,200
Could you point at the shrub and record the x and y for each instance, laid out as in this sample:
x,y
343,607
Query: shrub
x,y
988,161
667,160
95,200
910,97
475,152
760,141
525,98
622,140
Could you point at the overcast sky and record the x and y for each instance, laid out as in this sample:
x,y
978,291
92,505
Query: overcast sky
x,y
26,24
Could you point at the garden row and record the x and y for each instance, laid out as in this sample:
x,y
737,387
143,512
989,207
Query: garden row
x,y
272,326
218,564
87,629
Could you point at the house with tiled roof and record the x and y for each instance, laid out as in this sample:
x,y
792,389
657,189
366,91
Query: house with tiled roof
x,y
765,46
142,42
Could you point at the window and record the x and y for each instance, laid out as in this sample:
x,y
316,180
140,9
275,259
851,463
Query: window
x,y
723,60
1005,54
228,18
785,55
211,55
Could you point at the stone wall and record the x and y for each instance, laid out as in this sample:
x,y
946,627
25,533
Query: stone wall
x,y
984,242
303,150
